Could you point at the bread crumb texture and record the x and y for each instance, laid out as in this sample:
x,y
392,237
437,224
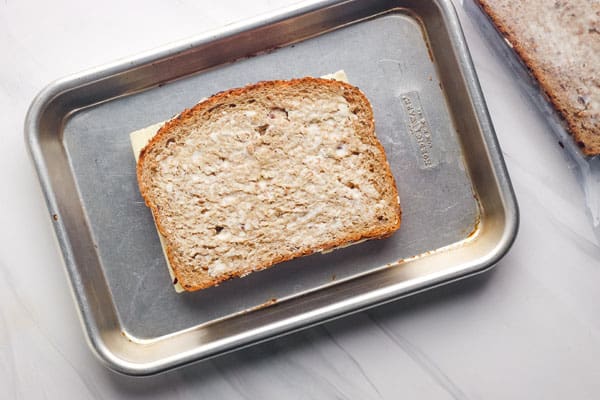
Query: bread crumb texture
x,y
560,43
262,174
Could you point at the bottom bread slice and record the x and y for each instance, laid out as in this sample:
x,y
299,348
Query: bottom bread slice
x,y
255,176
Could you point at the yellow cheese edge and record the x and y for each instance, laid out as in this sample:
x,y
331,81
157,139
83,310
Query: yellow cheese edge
x,y
140,138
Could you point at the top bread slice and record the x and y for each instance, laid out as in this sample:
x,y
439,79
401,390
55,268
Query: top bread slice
x,y
560,43
262,174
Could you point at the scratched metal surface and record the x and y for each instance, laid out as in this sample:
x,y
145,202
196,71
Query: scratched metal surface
x,y
436,197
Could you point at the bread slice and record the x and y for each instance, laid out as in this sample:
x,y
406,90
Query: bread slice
x,y
262,174
560,43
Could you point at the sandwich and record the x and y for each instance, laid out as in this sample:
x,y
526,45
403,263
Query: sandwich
x,y
559,42
258,175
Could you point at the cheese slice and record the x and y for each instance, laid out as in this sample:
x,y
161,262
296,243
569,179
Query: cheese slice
x,y
140,138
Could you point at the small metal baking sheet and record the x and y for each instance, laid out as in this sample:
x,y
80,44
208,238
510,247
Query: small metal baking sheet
x,y
459,213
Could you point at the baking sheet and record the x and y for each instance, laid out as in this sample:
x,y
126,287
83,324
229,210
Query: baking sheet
x,y
459,213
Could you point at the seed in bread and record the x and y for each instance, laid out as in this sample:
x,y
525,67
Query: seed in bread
x,y
560,43
262,174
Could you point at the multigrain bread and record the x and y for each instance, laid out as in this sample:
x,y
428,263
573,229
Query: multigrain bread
x,y
559,41
262,174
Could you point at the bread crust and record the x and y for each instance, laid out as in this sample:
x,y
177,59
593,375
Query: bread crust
x,y
351,93
562,93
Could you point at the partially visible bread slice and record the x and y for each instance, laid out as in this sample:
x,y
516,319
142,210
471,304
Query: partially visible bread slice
x,y
560,43
262,174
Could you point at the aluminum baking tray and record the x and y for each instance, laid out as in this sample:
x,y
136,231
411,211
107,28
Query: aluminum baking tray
x,y
409,57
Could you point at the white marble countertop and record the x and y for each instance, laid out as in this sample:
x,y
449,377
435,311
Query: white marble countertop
x,y
528,330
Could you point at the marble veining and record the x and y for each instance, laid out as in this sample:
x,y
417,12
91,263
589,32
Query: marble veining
x,y
426,363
